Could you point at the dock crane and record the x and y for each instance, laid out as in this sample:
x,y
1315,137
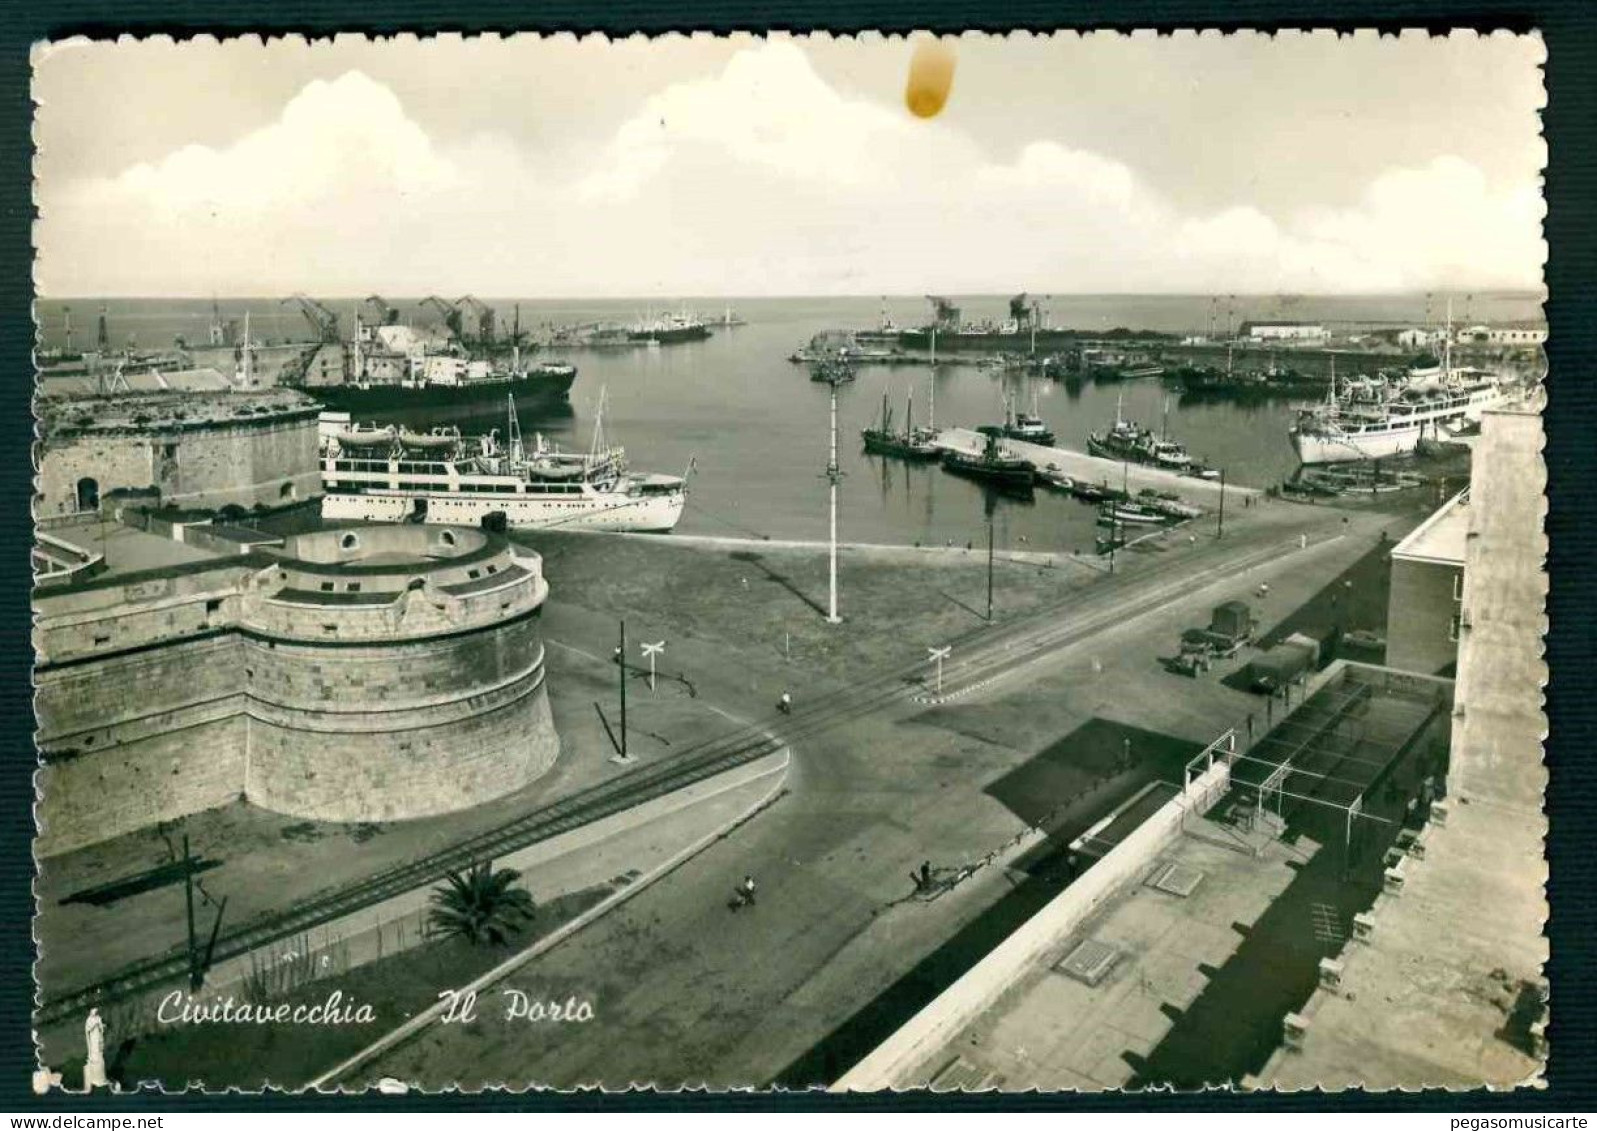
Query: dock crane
x,y
485,318
386,315
323,321
448,310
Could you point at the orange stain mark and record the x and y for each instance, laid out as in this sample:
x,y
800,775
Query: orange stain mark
x,y
931,77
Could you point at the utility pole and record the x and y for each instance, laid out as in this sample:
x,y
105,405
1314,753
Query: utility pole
x,y
1219,530
833,476
195,976
621,670
989,565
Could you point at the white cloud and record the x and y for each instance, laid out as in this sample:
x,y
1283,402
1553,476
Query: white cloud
x,y
762,178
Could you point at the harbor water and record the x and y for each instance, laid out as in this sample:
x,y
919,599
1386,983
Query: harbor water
x,y
754,426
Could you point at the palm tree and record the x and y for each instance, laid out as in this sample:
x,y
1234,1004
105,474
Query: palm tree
x,y
481,905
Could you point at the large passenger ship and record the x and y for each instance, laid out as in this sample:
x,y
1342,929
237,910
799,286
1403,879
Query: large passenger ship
x,y
1378,420
396,475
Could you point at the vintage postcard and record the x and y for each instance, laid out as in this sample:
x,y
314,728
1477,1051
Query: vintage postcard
x,y
804,562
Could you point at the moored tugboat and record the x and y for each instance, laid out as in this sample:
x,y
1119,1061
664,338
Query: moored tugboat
x,y
1027,426
992,464
1128,441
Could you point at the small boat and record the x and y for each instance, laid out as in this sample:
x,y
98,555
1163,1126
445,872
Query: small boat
x,y
369,436
434,439
1050,475
1167,504
1129,514
992,464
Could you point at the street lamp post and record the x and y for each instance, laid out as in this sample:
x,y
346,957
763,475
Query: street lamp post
x,y
936,655
989,567
834,475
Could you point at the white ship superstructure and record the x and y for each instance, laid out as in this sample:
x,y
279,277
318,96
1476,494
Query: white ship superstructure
x,y
394,475
1375,420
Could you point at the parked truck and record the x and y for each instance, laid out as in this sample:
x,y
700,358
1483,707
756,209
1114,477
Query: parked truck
x,y
1231,626
1284,663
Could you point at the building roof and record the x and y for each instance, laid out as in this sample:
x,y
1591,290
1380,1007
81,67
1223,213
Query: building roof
x,y
1440,538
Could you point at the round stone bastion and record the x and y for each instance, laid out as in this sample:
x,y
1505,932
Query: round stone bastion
x,y
393,672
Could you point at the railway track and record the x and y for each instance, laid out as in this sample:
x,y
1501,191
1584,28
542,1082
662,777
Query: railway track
x,y
985,653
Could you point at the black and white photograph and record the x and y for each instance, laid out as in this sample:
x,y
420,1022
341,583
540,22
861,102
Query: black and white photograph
x,y
986,563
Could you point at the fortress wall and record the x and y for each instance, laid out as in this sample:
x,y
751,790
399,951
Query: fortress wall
x,y
371,679
134,785
415,613
506,742
175,694
244,464
112,461
243,461
166,612
84,708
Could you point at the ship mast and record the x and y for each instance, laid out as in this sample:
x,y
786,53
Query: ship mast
x,y
1447,343
354,351
598,423
513,433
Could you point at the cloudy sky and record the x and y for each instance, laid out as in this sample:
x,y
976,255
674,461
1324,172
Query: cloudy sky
x,y
701,166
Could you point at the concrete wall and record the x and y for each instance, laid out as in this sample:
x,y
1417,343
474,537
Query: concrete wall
x,y
1419,618
899,1062
1498,722
239,461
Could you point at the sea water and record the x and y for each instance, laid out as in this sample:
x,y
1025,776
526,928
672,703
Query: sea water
x,y
755,428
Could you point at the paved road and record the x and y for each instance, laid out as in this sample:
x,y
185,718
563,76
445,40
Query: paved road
x,y
685,991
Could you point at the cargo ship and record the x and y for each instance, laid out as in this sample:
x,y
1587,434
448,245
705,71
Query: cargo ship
x,y
1023,332
395,367
539,384
390,474
669,329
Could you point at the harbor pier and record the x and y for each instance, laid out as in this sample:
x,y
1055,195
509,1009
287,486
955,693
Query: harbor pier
x,y
1092,469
